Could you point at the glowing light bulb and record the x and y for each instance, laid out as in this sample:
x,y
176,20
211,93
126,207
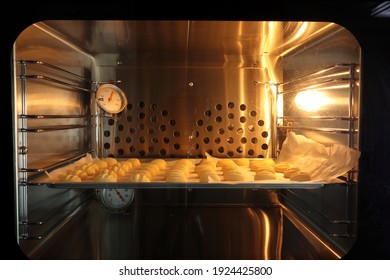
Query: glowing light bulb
x,y
310,100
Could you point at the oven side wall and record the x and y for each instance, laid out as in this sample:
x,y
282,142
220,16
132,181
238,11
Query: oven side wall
x,y
52,124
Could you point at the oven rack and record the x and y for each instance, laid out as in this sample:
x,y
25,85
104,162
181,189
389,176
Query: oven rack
x,y
31,124
58,162
41,227
342,72
340,76
24,63
335,230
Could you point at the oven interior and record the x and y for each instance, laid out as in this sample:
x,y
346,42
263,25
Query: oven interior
x,y
228,89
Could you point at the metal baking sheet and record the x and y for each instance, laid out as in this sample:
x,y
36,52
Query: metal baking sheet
x,y
168,185
158,182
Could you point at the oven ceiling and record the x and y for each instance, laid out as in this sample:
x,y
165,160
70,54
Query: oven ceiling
x,y
201,41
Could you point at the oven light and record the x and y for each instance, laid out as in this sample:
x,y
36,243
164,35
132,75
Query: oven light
x,y
310,100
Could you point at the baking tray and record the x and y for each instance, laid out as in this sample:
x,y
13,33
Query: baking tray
x,y
158,182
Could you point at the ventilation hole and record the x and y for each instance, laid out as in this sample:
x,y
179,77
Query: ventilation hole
x,y
163,152
230,116
242,119
195,134
141,126
129,106
239,150
254,140
117,139
230,140
132,130
207,113
154,140
264,146
166,140
199,122
230,127
128,139
243,140
107,133
121,152
163,127
217,140
153,119
111,122
153,107
176,133
107,146
164,113
221,150
264,134
206,140
218,119
120,127
240,131
132,149
260,156
230,153
260,122
141,153
251,128
151,130
129,118
242,107
253,113
176,146
141,139
141,104
151,149
209,128
141,115
221,131
172,122
218,107
230,105
251,152
210,152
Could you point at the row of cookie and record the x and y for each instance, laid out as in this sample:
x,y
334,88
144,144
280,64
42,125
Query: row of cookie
x,y
103,170
265,170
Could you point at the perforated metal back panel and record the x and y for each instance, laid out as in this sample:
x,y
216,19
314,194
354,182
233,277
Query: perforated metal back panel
x,y
188,113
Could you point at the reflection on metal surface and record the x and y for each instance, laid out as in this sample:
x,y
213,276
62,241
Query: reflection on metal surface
x,y
184,233
311,236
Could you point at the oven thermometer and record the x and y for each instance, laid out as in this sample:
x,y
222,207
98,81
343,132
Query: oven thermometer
x,y
111,98
117,199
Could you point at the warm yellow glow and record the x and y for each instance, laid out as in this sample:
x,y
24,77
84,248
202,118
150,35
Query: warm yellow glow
x,y
267,235
301,31
311,100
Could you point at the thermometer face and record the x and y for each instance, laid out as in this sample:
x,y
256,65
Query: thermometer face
x,y
111,98
117,198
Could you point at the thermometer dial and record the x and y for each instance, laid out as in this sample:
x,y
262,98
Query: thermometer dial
x,y
111,98
117,199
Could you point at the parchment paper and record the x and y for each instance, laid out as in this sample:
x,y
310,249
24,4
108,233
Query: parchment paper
x,y
323,163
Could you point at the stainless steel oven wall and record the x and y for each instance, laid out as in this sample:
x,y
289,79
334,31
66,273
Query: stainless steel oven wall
x,y
53,124
190,89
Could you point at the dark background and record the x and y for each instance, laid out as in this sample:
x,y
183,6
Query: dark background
x,y
373,33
